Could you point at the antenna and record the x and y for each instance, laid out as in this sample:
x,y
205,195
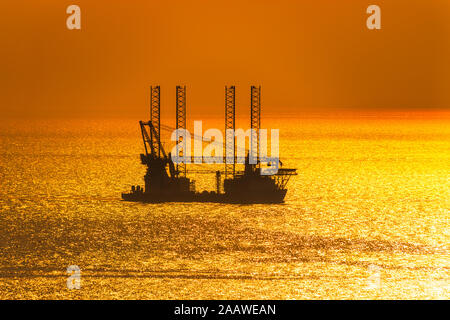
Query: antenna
x,y
155,119
181,124
230,122
255,122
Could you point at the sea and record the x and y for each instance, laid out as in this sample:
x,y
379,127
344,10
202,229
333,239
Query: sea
x,y
366,216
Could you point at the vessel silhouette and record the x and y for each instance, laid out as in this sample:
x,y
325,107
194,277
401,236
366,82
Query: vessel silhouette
x,y
166,181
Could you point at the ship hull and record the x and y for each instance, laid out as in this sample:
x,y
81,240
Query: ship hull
x,y
273,197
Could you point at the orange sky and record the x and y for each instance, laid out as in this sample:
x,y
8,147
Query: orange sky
x,y
306,55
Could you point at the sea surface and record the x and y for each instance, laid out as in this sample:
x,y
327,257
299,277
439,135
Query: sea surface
x,y
367,216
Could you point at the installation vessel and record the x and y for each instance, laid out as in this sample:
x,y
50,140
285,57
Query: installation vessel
x,y
166,181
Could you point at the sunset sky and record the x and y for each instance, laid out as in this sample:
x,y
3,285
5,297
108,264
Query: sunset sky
x,y
306,55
